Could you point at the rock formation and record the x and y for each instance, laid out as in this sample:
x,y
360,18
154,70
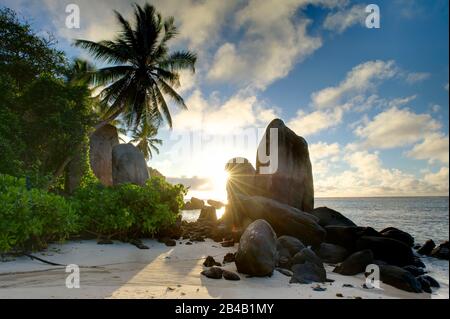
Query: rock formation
x,y
128,165
102,143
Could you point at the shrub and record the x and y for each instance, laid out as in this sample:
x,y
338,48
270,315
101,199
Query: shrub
x,y
128,211
30,219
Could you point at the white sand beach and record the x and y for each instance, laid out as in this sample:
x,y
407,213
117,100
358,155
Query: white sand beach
x,y
124,271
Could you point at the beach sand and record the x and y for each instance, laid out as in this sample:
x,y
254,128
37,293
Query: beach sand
x,y
124,271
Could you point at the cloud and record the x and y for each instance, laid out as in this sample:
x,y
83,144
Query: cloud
x,y
195,182
343,19
323,150
412,78
435,147
367,176
359,80
213,116
306,124
396,128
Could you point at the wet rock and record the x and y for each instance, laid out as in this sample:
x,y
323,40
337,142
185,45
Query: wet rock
x,y
330,217
105,242
346,236
389,250
213,273
139,244
431,281
229,275
441,252
307,273
257,251
415,271
427,248
424,284
210,262
170,242
399,278
355,264
331,253
399,235
418,263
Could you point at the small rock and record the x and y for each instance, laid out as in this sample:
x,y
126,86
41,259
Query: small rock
x,y
319,288
210,262
433,282
357,297
339,295
188,243
427,247
213,273
170,242
229,275
229,258
348,286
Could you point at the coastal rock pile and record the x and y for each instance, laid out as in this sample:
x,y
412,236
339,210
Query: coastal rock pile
x,y
273,208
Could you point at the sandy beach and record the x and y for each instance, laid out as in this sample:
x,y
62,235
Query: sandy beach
x,y
124,271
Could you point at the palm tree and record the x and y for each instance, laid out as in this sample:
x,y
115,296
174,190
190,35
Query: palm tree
x,y
144,72
146,140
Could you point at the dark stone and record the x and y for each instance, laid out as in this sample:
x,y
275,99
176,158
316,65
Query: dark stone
x,y
433,282
306,255
210,262
229,243
441,251
139,244
331,253
414,270
284,219
424,284
346,236
339,295
105,242
392,251
418,263
229,275
399,235
194,204
170,242
291,244
318,288
257,251
355,264
229,258
427,248
290,181
208,213
307,273
213,273
330,217
188,243
399,278
128,165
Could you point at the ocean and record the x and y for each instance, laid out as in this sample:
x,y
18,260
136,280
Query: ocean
x,y
423,217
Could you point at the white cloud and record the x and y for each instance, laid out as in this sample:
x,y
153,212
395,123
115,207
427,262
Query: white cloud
x,y
343,19
220,118
396,128
308,124
360,79
439,179
412,78
323,150
435,147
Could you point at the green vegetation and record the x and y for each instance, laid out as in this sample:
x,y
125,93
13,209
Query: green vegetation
x,y
31,218
47,114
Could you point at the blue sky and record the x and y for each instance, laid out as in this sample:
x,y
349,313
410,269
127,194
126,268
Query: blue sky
x,y
372,103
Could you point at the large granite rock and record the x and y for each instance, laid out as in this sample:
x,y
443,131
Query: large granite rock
x,y
331,253
284,219
102,143
346,236
128,165
283,167
257,253
399,278
355,264
330,217
400,235
392,251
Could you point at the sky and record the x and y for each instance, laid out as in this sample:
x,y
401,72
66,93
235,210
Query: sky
x,y
372,103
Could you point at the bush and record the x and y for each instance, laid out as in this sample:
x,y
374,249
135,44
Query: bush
x,y
128,211
30,219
